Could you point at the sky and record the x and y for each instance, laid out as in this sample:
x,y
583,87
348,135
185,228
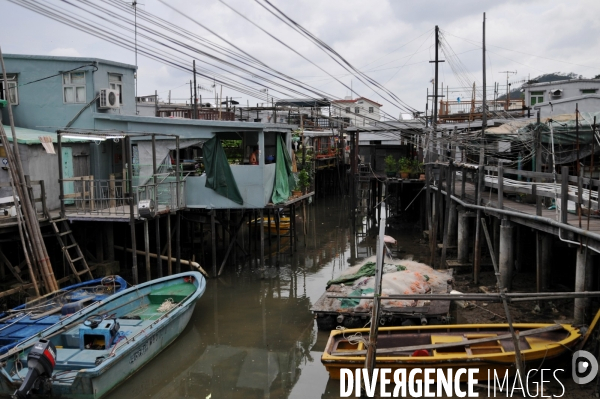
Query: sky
x,y
390,41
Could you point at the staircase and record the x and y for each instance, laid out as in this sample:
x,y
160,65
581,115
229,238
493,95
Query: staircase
x,y
69,246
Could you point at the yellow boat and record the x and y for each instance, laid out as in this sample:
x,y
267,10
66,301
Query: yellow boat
x,y
284,225
488,347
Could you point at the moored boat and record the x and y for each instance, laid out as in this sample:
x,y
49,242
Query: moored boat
x,y
89,353
271,228
488,347
25,321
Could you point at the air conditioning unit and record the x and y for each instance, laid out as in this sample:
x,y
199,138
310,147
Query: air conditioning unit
x,y
109,99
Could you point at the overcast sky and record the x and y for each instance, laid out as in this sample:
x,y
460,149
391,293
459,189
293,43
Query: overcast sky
x,y
391,41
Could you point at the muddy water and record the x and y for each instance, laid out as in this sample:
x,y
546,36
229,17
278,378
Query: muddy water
x,y
252,334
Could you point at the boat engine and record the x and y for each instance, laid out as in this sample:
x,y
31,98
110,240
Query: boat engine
x,y
40,362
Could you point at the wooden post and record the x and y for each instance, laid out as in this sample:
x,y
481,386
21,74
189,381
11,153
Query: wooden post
x,y
500,186
449,184
579,193
463,183
538,167
60,176
477,249
158,259
213,242
112,202
564,194
178,240
132,200
262,237
169,252
147,250
506,253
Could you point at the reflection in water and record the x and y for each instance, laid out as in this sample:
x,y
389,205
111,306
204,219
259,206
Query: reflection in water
x,y
252,334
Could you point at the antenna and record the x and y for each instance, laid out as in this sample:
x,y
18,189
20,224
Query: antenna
x,y
508,86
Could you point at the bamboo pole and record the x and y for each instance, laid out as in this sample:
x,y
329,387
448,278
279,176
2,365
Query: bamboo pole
x,y
163,257
29,215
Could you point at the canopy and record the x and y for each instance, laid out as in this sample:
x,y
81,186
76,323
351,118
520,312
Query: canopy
x,y
284,178
218,172
32,136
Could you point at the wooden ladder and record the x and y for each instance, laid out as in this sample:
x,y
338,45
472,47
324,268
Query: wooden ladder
x,y
62,229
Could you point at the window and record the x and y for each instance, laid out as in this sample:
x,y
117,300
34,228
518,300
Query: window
x,y
115,82
347,110
12,89
370,110
357,110
537,97
588,91
74,87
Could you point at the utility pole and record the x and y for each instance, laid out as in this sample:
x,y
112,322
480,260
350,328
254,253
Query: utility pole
x,y
480,177
195,107
507,85
134,4
191,101
430,159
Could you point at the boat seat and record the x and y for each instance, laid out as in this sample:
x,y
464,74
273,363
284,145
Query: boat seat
x,y
70,358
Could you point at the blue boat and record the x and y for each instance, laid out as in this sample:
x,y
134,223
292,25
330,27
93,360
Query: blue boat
x,y
27,320
90,352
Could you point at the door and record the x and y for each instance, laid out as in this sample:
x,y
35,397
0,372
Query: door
x,y
67,168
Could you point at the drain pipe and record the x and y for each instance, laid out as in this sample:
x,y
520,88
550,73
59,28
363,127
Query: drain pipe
x,y
535,218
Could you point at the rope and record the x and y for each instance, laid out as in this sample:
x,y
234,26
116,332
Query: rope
x,y
167,305
353,339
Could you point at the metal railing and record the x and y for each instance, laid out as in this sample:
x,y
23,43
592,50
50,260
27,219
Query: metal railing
x,y
85,195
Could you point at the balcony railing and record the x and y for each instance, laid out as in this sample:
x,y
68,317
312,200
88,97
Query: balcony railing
x,y
459,111
85,195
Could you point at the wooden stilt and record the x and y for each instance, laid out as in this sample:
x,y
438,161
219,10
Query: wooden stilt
x,y
262,238
158,259
147,250
213,242
169,253
178,242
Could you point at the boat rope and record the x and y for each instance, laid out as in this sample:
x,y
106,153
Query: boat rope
x,y
167,305
353,339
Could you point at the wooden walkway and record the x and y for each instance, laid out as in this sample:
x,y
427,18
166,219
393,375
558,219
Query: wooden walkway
x,y
495,196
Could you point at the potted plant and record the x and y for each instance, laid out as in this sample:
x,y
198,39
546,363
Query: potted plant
x,y
416,169
404,167
296,192
390,166
303,180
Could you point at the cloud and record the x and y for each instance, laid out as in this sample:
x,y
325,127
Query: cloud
x,y
390,40
65,52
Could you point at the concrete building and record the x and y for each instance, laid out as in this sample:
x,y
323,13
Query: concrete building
x,y
361,111
560,97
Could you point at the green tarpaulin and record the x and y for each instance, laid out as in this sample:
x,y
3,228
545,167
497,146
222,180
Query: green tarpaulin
x,y
218,172
368,269
353,302
284,179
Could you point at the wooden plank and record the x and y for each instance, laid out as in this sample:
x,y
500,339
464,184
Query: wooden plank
x,y
15,290
413,348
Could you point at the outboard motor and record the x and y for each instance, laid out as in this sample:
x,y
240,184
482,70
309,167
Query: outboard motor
x,y
40,362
